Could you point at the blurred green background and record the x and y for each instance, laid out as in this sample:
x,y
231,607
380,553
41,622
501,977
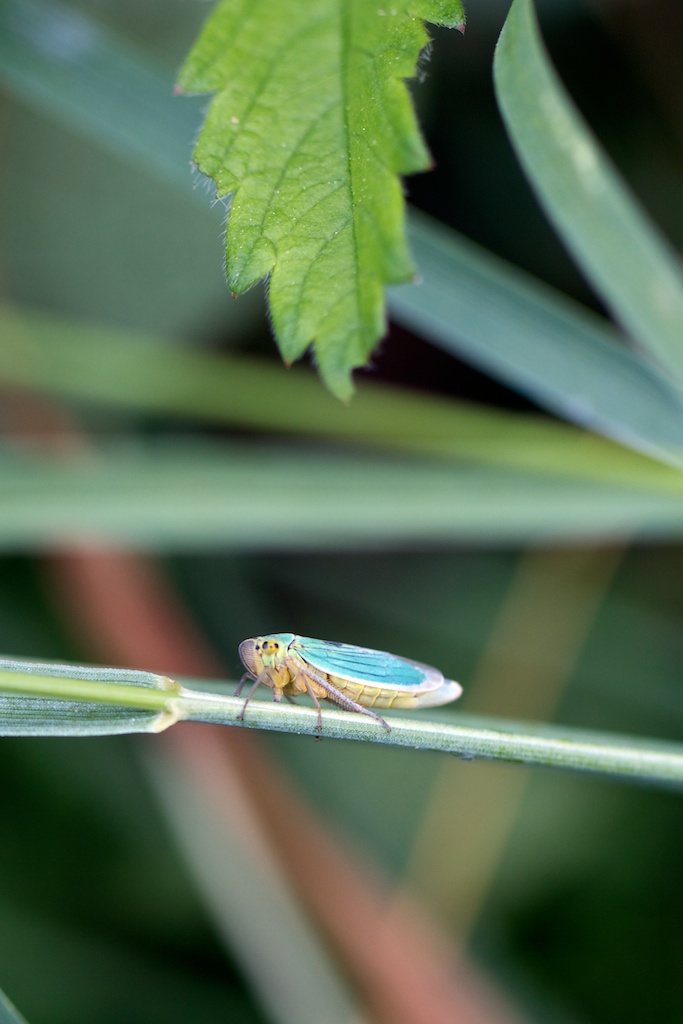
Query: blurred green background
x,y
565,890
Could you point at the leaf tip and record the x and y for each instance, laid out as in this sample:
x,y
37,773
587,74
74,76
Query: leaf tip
x,y
340,384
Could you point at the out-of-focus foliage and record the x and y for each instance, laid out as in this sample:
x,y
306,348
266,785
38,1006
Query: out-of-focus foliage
x,y
100,920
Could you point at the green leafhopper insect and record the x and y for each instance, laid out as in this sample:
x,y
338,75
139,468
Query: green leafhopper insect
x,y
355,678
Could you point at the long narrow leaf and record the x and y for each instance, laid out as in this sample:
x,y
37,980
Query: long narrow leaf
x,y
133,371
78,72
257,497
628,262
537,341
468,737
9,1013
266,929
48,699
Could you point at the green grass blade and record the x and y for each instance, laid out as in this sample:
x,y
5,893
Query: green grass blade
x,y
133,371
250,900
194,497
9,1013
468,737
510,325
73,69
631,266
47,699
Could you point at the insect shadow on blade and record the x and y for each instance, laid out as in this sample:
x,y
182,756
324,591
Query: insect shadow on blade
x,y
354,678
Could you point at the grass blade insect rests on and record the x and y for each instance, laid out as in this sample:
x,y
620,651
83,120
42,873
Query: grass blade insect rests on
x,y
354,678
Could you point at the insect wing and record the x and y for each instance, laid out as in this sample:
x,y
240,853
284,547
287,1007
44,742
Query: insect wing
x,y
365,666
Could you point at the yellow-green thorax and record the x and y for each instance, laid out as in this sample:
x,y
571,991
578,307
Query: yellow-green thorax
x,y
270,659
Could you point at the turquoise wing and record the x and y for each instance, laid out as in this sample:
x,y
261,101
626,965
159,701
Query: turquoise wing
x,y
363,665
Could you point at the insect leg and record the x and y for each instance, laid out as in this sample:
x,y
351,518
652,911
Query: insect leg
x,y
315,700
263,678
240,685
340,698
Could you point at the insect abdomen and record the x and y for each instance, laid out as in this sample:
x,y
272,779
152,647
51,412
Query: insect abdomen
x,y
373,696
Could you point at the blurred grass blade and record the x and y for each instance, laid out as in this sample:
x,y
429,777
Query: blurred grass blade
x,y
47,699
245,890
9,1013
622,254
196,496
133,371
74,70
547,347
468,302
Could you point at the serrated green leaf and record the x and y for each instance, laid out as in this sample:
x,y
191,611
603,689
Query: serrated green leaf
x,y
310,128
